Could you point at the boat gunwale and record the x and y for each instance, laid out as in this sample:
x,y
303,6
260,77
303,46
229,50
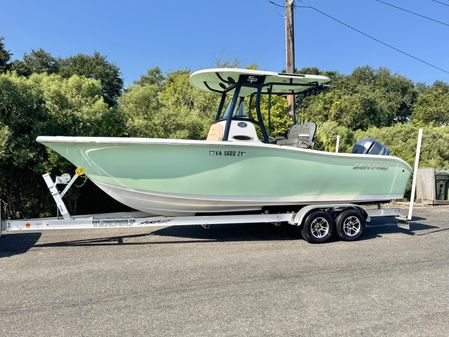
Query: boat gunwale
x,y
186,142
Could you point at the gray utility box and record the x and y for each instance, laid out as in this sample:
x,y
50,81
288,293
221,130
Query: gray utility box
x,y
441,185
432,186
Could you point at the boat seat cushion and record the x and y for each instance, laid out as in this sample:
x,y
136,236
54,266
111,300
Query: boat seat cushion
x,y
216,132
300,135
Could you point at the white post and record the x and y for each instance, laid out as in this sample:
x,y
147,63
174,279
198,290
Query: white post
x,y
338,144
1,219
415,175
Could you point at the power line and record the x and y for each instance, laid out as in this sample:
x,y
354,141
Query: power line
x,y
277,5
441,3
372,37
375,39
415,13
274,3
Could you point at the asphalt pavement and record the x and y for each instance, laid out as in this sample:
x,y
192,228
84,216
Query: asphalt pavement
x,y
239,280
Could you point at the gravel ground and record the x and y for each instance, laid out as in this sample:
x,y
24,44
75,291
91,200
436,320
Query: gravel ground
x,y
239,280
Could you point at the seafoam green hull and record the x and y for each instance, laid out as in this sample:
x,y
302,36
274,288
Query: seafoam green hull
x,y
185,177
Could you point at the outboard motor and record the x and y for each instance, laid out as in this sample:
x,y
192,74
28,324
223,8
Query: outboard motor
x,y
370,146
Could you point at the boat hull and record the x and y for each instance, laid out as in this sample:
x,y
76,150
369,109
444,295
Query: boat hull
x,y
182,177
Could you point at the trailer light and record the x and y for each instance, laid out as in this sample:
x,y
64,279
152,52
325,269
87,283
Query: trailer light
x,y
79,171
28,225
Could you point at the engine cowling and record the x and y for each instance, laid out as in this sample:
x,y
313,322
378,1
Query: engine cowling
x,y
370,146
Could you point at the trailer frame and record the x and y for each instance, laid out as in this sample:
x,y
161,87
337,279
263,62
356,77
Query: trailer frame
x,y
64,220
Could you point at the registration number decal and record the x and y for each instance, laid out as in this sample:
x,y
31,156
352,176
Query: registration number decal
x,y
226,153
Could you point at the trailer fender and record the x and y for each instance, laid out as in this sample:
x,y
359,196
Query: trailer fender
x,y
298,219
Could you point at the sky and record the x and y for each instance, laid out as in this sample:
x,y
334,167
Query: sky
x,y
174,34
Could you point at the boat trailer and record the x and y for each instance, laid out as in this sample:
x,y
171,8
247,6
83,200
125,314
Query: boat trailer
x,y
64,220
349,218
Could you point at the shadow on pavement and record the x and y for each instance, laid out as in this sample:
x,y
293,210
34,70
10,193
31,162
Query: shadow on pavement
x,y
115,240
193,234
15,244
379,226
416,218
434,231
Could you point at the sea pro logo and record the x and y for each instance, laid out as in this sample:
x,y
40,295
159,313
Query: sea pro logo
x,y
370,166
252,79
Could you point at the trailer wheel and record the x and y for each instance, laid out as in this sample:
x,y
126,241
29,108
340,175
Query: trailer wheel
x,y
350,225
318,227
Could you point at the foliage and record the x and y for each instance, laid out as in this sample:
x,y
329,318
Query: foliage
x,y
316,71
168,108
4,135
73,106
5,56
432,105
42,105
20,158
96,67
326,137
178,95
38,61
224,63
363,99
153,76
280,120
401,141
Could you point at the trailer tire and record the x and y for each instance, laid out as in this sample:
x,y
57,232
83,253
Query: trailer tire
x,y
350,225
318,227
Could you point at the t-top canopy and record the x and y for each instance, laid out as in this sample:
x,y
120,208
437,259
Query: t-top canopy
x,y
223,80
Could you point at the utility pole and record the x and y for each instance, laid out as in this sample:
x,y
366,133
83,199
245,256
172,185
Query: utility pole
x,y
290,49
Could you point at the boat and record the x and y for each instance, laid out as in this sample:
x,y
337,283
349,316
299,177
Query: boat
x,y
239,167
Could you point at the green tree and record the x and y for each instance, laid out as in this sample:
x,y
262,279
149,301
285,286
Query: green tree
x,y
38,61
279,122
401,141
44,105
153,76
432,105
73,106
20,112
138,105
4,135
97,67
224,63
147,116
179,96
326,137
365,98
317,71
5,56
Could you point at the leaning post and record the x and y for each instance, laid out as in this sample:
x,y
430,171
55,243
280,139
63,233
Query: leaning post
x,y
415,175
337,145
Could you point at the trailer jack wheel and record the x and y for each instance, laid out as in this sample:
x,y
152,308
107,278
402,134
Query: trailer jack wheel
x,y
318,227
